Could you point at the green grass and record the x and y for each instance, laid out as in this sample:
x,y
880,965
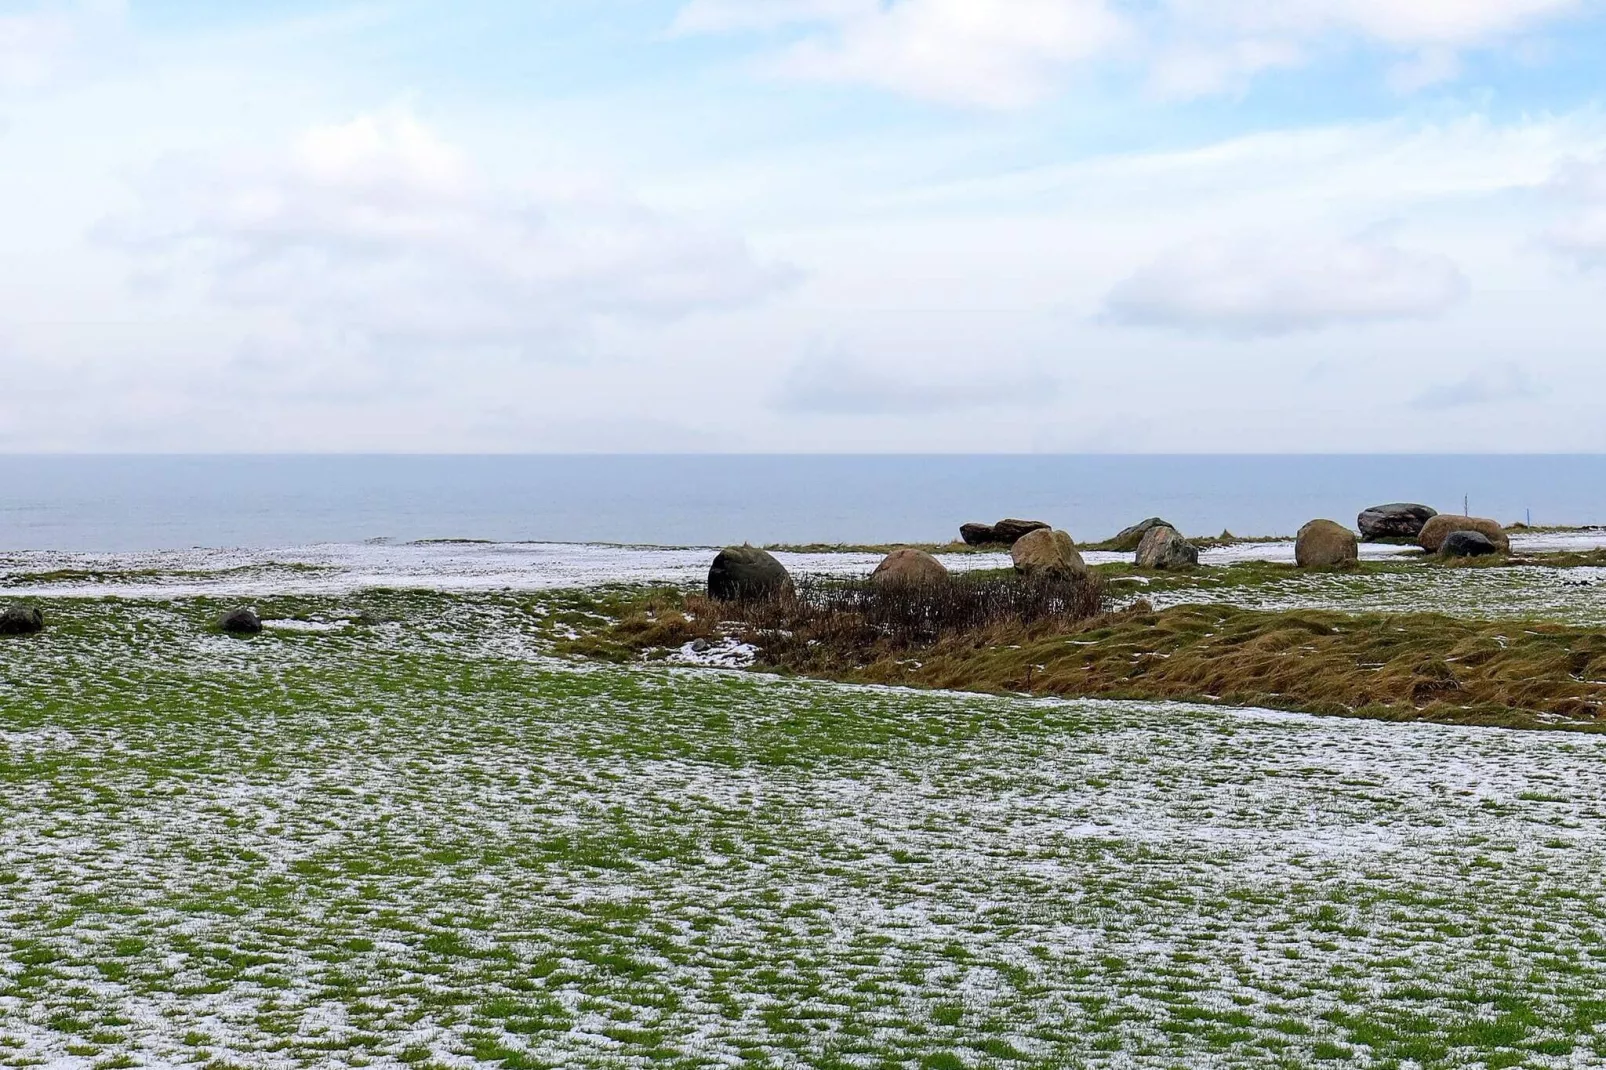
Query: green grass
x,y
428,840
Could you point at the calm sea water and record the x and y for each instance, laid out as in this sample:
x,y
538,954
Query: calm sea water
x,y
150,503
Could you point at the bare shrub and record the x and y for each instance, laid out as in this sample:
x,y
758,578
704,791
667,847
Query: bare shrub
x,y
835,616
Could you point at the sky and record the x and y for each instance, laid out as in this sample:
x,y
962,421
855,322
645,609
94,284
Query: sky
x,y
703,226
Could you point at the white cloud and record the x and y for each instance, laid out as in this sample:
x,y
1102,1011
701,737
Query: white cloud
x,y
1008,53
1581,237
1488,386
1269,286
379,233
832,384
41,41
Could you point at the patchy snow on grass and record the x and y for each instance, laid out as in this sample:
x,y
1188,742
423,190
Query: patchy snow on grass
x,y
727,654
398,844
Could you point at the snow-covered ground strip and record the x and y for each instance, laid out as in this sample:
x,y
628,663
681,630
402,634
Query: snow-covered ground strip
x,y
343,568
428,842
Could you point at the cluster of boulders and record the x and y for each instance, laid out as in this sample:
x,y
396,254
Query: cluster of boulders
x,y
1003,533
1325,543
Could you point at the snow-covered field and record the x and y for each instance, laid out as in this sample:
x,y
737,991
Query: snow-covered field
x,y
395,830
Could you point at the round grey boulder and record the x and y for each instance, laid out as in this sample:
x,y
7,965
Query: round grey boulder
x,y
241,622
1165,548
1397,520
22,620
1129,538
1468,544
746,574
1047,552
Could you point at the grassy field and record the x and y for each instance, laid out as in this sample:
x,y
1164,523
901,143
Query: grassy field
x,y
402,832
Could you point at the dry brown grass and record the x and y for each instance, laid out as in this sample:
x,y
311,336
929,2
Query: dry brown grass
x,y
1408,667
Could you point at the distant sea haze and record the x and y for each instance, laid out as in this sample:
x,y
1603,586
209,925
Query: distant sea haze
x,y
123,503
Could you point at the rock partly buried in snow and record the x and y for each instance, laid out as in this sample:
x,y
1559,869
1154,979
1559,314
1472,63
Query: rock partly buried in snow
x,y
1398,520
1467,544
22,620
1047,552
241,622
1435,531
1004,533
1323,543
909,566
746,574
1130,538
1165,548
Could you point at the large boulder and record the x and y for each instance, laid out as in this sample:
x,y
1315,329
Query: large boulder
x,y
1165,548
1003,533
912,567
978,534
746,574
22,620
1435,531
1323,543
1046,551
241,622
1129,538
1012,531
1398,520
1467,544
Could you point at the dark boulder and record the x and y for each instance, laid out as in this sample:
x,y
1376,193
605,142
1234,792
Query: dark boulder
x,y
1467,544
1164,548
1399,520
22,620
746,574
241,622
1011,531
1127,541
1003,533
978,534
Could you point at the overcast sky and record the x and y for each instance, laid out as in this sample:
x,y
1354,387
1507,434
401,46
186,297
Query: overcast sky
x,y
803,225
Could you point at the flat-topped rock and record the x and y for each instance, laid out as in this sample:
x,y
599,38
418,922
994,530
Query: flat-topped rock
x,y
1397,520
1004,533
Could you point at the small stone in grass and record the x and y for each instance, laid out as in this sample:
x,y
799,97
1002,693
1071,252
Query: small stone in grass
x,y
22,620
241,622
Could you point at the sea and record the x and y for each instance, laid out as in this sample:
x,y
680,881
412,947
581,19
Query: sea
x,y
116,504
